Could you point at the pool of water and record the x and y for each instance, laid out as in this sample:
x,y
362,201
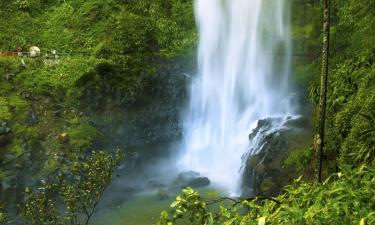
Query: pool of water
x,y
141,210
134,196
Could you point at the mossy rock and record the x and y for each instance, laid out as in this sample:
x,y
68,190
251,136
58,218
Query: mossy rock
x,y
277,138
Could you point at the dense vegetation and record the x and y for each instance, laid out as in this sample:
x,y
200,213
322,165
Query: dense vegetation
x,y
347,195
111,55
344,198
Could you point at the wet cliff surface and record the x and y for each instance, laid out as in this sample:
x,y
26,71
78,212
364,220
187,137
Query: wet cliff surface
x,y
272,141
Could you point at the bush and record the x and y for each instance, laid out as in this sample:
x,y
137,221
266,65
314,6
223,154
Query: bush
x,y
346,197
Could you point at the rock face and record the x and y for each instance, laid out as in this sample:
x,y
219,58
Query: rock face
x,y
272,141
149,125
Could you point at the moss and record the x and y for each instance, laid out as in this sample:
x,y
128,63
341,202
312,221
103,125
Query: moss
x,y
83,135
5,114
299,158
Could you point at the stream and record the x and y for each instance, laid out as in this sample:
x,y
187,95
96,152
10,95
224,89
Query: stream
x,y
242,85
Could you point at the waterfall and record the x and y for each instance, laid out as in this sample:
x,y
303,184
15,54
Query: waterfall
x,y
243,76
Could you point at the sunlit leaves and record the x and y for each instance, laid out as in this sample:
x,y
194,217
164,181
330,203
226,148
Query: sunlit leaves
x,y
76,196
344,198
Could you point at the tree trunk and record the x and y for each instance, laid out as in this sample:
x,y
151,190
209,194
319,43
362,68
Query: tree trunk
x,y
323,87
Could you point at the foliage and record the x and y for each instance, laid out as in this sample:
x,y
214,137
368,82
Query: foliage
x,y
351,85
32,151
77,193
2,214
134,36
108,52
351,112
191,203
82,135
111,49
346,197
299,158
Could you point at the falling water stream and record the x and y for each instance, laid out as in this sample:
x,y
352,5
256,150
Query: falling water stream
x,y
244,65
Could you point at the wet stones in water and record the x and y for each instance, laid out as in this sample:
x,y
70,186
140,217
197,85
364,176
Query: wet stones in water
x,y
199,182
187,176
191,179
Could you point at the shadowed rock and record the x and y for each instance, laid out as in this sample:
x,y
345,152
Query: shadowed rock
x,y
272,141
191,179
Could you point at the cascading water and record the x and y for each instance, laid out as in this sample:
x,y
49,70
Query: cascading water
x,y
244,54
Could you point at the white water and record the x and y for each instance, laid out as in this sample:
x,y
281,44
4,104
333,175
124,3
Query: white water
x,y
244,61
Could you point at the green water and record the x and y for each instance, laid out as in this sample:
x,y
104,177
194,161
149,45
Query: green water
x,y
142,210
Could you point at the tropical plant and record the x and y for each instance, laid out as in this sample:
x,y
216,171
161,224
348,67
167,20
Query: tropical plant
x,y
346,197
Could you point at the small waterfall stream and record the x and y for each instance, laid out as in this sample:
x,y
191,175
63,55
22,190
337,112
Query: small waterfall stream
x,y
244,66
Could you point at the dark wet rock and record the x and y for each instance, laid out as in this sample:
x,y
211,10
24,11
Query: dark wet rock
x,y
187,176
300,122
199,182
272,141
191,179
152,122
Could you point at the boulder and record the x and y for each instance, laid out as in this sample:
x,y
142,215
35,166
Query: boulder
x,y
187,176
199,182
271,142
191,179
